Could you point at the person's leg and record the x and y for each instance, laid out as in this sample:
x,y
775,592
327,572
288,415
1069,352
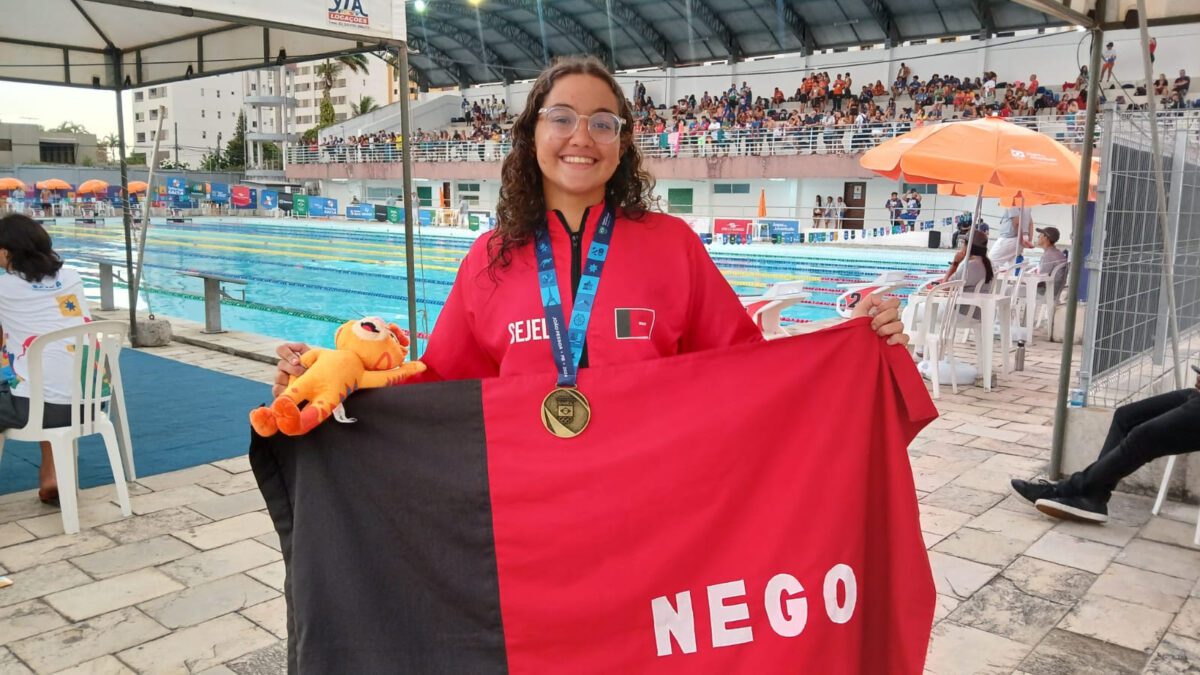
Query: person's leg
x,y
1167,424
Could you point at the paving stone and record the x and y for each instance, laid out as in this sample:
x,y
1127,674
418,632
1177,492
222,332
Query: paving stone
x,y
963,499
930,539
1058,583
985,479
1073,551
87,640
983,547
1169,531
191,606
1117,621
1130,509
272,575
28,618
988,432
958,577
11,665
239,464
1187,622
1158,591
945,605
199,647
218,670
231,505
190,476
222,532
129,557
1179,511
1066,653
271,539
104,596
90,515
1005,448
1003,608
52,549
1158,557
266,661
1024,526
27,506
1176,655
272,616
176,496
208,566
929,480
1015,466
940,520
145,527
12,533
105,665
41,580
1113,533
232,485
962,650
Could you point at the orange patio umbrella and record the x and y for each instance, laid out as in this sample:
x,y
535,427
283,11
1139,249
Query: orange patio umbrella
x,y
1007,196
9,184
52,184
90,186
137,186
989,150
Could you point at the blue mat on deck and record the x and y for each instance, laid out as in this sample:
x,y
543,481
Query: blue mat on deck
x,y
179,416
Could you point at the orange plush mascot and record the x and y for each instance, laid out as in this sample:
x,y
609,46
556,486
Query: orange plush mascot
x,y
370,353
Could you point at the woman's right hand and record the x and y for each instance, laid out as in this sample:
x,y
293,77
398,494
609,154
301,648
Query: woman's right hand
x,y
289,365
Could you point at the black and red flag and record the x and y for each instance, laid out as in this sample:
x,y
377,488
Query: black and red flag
x,y
748,510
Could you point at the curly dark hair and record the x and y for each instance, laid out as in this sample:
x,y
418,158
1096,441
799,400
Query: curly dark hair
x,y
522,206
30,254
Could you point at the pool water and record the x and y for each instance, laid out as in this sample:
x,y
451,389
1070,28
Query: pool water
x,y
305,279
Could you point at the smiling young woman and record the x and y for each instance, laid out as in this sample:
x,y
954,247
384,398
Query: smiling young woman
x,y
578,238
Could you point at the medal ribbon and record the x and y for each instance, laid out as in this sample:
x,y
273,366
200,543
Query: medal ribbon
x,y
566,361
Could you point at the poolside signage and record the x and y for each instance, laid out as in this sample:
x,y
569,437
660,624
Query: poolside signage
x,y
300,205
732,226
243,197
780,225
360,212
269,199
218,193
322,207
759,546
286,203
395,214
176,186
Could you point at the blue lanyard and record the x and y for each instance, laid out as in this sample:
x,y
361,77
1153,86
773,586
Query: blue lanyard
x,y
581,313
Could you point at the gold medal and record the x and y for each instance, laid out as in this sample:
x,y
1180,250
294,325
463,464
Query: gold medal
x,y
565,412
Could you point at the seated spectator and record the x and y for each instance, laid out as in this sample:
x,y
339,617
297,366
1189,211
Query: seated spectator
x,y
1182,84
1168,424
37,295
1161,84
1052,257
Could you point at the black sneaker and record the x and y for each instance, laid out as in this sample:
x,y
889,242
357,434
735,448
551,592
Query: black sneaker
x,y
1082,509
1033,490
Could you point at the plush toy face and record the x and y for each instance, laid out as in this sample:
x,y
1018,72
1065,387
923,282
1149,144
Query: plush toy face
x,y
380,345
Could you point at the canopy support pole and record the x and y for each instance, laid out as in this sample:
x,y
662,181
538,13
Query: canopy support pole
x,y
127,217
410,204
1077,252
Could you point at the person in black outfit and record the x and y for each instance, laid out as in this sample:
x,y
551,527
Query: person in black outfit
x,y
1168,424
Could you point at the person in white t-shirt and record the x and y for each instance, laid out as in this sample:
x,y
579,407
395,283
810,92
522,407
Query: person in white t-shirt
x,y
37,295
1015,233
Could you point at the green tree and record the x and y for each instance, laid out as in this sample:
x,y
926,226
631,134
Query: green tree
x,y
69,128
365,105
136,159
212,161
234,157
326,117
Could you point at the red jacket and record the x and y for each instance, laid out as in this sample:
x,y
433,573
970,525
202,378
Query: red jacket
x,y
660,294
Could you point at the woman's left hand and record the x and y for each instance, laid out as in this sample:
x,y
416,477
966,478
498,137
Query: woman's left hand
x,y
885,317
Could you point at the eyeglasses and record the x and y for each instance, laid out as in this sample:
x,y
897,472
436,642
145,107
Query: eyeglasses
x,y
604,127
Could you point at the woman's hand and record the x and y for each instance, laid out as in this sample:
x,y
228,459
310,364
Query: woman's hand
x,y
289,365
885,317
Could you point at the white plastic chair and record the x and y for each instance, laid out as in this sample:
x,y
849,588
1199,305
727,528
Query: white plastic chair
x,y
934,331
1162,495
101,341
766,308
884,283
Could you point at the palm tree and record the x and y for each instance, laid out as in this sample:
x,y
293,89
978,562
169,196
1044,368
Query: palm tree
x,y
69,128
365,105
111,142
329,70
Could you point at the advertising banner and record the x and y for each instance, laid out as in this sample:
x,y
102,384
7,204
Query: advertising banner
x,y
425,216
732,226
779,225
374,18
218,193
269,199
381,211
176,186
240,196
395,214
360,211
285,202
322,207
300,208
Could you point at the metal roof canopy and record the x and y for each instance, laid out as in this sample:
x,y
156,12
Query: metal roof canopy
x,y
122,44
1117,14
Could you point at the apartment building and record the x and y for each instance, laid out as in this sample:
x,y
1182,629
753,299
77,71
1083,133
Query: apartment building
x,y
203,112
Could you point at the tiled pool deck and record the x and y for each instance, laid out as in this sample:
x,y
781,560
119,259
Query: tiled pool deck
x,y
193,582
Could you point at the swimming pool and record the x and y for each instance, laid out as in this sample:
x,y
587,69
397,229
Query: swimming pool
x,y
303,279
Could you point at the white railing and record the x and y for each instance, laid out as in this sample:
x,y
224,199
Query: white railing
x,y
785,140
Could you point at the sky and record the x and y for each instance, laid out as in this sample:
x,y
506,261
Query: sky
x,y
50,106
